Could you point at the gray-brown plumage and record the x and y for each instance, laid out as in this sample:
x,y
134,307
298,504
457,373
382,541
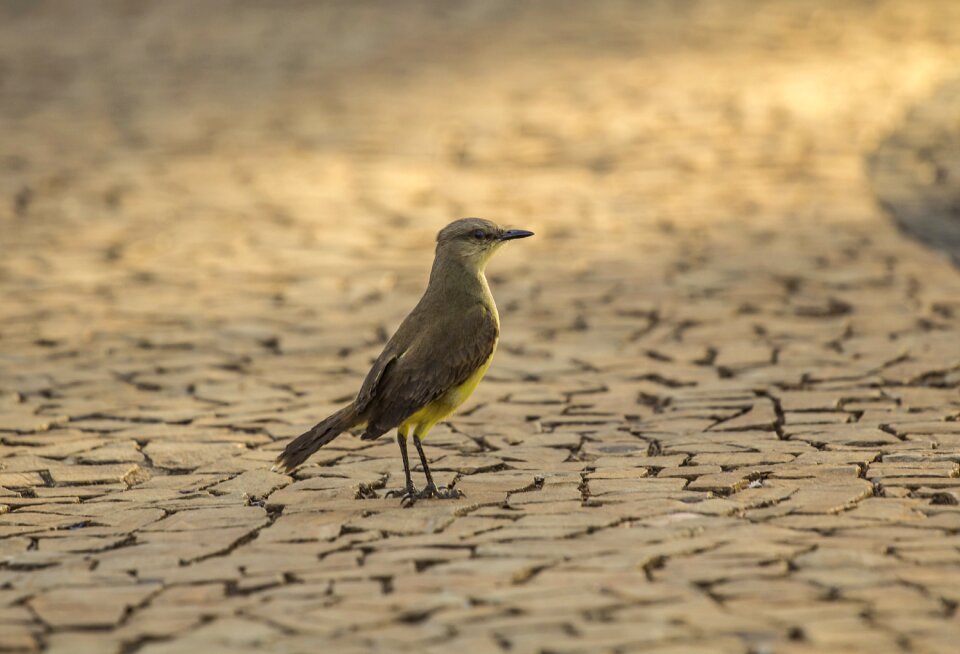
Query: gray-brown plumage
x,y
435,359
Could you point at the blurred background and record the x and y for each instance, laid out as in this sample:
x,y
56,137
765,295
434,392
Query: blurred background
x,y
171,165
243,131
187,173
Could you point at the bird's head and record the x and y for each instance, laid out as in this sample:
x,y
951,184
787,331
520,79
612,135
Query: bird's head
x,y
474,240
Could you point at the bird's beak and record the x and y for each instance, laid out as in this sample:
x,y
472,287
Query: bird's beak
x,y
511,234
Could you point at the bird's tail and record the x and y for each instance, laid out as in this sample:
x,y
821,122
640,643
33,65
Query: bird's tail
x,y
300,448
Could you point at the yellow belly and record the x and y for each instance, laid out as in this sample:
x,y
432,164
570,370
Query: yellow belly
x,y
423,420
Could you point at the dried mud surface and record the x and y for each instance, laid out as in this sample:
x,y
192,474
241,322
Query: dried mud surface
x,y
724,413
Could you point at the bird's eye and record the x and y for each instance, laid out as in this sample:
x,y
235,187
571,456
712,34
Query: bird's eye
x,y
479,234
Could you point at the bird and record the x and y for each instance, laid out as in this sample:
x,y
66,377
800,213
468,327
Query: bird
x,y
432,363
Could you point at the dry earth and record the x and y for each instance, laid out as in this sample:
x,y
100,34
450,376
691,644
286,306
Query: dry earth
x,y
725,415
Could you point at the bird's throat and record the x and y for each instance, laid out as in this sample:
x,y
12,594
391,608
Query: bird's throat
x,y
459,283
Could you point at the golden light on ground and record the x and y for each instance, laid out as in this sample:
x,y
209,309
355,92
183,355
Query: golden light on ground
x,y
723,412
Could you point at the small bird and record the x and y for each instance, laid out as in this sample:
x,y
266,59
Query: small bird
x,y
433,362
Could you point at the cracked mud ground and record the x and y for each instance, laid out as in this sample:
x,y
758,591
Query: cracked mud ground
x,y
724,414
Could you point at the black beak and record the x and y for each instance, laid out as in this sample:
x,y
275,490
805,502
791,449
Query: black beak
x,y
511,234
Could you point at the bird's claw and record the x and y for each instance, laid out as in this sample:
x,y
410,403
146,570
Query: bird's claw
x,y
403,493
440,493
409,495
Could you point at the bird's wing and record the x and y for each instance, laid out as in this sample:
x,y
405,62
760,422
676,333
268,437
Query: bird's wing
x,y
369,388
396,347
441,358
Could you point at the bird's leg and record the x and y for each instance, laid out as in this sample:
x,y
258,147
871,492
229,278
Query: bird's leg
x,y
409,493
423,461
431,489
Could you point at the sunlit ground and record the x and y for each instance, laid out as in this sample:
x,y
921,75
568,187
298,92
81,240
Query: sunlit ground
x,y
176,158
191,188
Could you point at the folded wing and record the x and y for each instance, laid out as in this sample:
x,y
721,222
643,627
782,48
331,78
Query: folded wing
x,y
440,359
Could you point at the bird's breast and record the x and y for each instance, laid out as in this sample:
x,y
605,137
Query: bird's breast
x,y
489,303
421,421
459,394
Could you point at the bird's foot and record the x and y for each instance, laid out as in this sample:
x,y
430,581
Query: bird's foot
x,y
440,493
408,494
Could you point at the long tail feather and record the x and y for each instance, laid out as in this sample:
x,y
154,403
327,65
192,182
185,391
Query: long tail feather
x,y
300,448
